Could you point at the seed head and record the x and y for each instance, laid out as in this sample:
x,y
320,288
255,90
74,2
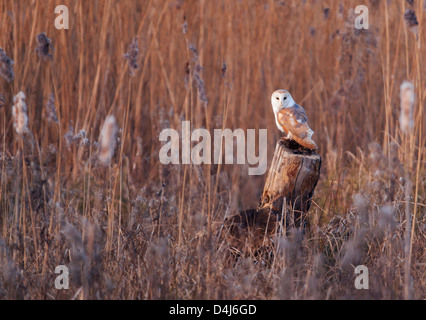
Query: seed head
x,y
411,22
69,135
51,110
326,12
107,140
19,112
6,66
224,68
199,82
410,18
79,136
132,56
81,139
185,27
410,2
407,107
44,46
194,52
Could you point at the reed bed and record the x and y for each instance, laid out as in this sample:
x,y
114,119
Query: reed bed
x,y
81,183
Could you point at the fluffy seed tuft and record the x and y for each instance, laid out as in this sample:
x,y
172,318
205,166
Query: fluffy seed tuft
x,y
410,18
407,107
411,22
19,112
6,66
51,110
132,56
44,46
107,140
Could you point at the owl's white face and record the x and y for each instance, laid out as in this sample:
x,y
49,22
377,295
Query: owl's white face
x,y
281,99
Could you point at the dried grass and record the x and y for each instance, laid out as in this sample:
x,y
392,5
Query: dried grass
x,y
135,229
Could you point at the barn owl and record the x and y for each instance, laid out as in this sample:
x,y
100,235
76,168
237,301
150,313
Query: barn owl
x,y
291,119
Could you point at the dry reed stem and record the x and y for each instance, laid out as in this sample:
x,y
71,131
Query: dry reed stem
x,y
159,222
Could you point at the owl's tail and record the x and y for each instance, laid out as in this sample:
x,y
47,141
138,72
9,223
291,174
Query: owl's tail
x,y
307,142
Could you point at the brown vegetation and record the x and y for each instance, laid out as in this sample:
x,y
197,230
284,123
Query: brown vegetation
x,y
136,229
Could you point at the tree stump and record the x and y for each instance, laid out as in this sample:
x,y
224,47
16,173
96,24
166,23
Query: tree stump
x,y
250,233
291,182
287,196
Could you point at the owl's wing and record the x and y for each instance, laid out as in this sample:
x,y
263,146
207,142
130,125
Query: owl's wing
x,y
295,121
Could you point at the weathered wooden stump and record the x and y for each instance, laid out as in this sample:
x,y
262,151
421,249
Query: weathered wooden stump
x,y
291,182
285,201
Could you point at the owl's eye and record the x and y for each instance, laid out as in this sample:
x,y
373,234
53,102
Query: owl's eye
x,y
285,98
277,98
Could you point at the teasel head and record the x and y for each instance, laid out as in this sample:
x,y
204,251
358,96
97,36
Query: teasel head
x,y
132,56
44,46
107,140
19,112
51,110
198,80
6,66
69,135
411,22
407,107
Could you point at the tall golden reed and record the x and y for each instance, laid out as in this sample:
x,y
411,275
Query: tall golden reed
x,y
406,124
